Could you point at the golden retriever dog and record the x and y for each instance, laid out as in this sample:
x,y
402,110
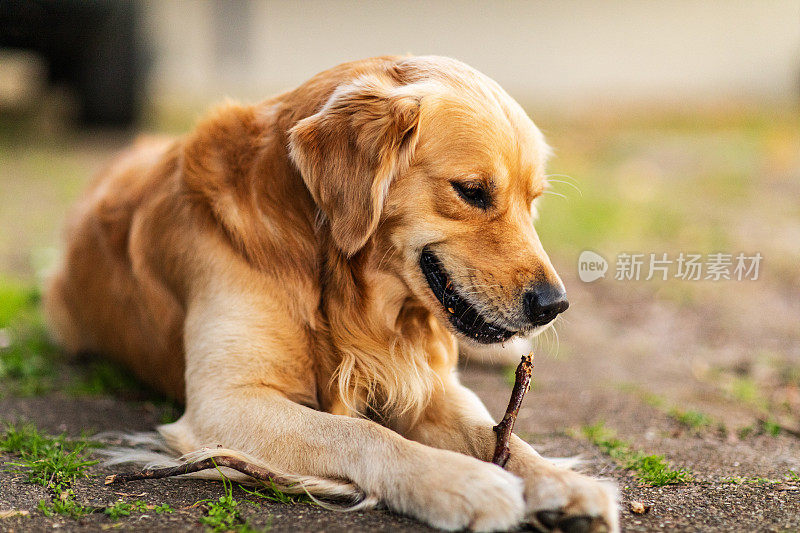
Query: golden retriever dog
x,y
300,271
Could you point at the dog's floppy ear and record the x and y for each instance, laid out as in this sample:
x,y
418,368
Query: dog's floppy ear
x,y
349,152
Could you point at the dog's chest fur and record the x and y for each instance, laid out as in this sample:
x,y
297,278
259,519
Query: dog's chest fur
x,y
387,354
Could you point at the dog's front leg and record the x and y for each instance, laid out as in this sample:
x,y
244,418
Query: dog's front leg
x,y
233,399
555,497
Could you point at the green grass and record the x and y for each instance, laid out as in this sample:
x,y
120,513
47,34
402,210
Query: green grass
x,y
56,462
122,508
64,504
224,514
53,462
650,469
690,418
745,389
771,428
26,354
15,298
164,508
31,365
272,493
764,383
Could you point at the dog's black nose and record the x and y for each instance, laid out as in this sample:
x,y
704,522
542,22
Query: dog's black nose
x,y
544,302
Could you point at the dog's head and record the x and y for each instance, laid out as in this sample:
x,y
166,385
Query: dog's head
x,y
436,159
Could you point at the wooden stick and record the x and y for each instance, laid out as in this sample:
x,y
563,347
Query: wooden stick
x,y
255,472
522,383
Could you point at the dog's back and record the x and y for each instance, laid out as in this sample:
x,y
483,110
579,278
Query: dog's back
x,y
131,318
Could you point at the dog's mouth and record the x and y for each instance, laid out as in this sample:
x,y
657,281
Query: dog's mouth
x,y
462,314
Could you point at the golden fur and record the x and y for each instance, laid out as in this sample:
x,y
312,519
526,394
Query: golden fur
x,y
265,270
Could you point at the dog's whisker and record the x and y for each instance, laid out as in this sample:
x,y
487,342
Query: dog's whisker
x,y
482,291
485,286
555,342
555,333
567,176
554,193
567,183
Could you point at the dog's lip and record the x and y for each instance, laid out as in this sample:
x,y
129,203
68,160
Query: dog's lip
x,y
461,313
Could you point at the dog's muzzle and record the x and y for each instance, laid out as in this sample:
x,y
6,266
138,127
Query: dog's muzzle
x,y
461,313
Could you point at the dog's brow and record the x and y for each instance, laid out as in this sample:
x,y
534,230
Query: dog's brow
x,y
536,189
482,178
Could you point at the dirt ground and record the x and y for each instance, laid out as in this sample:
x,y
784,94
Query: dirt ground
x,y
563,398
705,374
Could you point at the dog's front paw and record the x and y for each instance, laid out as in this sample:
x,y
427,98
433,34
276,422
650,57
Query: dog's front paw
x,y
453,492
562,500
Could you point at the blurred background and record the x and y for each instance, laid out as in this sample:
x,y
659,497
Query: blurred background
x,y
675,124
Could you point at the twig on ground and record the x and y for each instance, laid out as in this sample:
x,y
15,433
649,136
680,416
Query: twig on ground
x,y
255,472
503,430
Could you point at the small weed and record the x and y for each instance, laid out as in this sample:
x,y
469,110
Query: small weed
x,y
64,504
746,390
651,399
122,508
651,469
605,439
53,462
273,493
763,427
771,427
164,508
654,470
690,418
224,514
793,476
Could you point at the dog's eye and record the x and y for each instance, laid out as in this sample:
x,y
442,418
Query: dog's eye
x,y
473,193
